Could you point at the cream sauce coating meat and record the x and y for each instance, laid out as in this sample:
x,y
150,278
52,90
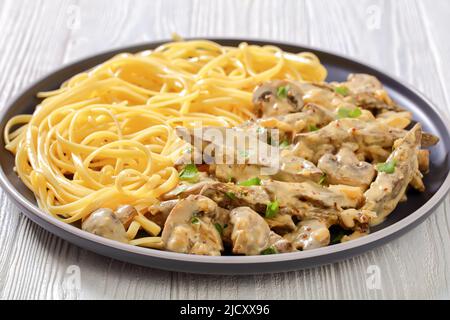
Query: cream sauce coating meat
x,y
368,93
346,158
190,228
373,140
126,213
280,244
346,168
278,97
289,193
310,234
250,233
103,222
289,168
388,188
159,212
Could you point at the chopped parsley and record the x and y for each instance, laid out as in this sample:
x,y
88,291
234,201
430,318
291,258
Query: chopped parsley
x,y
195,220
387,167
349,113
272,209
251,182
323,179
341,90
219,228
284,144
282,92
312,127
189,173
231,195
269,250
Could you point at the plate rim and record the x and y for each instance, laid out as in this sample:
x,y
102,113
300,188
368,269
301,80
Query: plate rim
x,y
371,240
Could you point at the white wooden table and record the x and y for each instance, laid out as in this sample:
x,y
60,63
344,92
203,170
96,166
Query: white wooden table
x,y
408,38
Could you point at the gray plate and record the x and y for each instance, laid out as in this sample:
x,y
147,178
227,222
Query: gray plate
x,y
406,215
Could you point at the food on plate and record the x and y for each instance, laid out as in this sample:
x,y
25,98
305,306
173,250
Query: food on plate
x,y
125,151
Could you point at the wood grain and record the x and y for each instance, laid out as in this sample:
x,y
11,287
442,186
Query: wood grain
x,y
407,38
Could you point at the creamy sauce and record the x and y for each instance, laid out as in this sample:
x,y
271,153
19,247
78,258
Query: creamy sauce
x,y
310,234
103,222
388,188
321,178
250,233
190,227
346,168
270,103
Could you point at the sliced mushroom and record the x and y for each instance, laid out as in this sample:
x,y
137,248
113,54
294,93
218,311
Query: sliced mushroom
x,y
250,233
159,212
296,169
126,213
278,97
346,168
103,222
190,227
310,234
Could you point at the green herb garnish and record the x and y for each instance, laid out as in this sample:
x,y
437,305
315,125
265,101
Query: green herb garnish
x,y
250,182
272,209
312,127
189,173
231,195
387,167
284,144
342,90
323,179
195,220
269,250
282,92
349,113
219,228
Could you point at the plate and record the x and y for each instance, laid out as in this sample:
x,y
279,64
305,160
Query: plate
x,y
405,217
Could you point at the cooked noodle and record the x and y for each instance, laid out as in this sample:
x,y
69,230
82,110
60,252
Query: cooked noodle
x,y
107,137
